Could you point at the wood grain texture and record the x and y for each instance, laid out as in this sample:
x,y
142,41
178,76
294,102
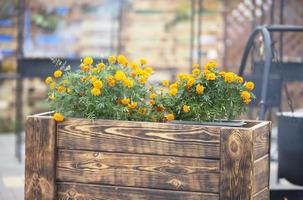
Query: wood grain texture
x,y
40,159
262,195
137,170
261,135
140,137
261,174
77,191
236,164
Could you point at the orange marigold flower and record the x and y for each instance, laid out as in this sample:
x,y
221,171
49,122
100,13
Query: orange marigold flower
x,y
98,84
173,92
111,59
245,95
160,108
125,101
249,85
85,68
88,60
132,105
48,80
239,79
100,66
152,102
165,83
58,73
210,65
170,117
111,81
210,76
195,71
58,117
152,95
199,89
95,91
229,77
190,82
186,108
196,65
142,80
61,89
134,65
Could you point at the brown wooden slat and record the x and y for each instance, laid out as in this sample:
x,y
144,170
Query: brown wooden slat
x,y
138,170
140,137
236,164
262,195
98,192
40,158
261,139
261,174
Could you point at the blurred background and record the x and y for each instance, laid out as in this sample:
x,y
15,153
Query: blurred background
x,y
260,39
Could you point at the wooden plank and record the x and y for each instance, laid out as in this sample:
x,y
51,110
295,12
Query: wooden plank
x,y
140,137
261,139
137,170
262,195
102,192
261,174
40,158
236,164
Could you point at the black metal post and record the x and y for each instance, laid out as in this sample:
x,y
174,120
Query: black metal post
x,y
19,87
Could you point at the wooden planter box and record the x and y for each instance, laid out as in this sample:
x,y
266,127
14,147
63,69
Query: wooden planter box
x,y
120,160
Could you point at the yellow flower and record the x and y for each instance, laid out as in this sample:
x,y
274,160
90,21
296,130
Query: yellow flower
x,y
68,90
93,78
48,80
143,61
249,85
152,102
148,70
100,66
247,101
222,74
173,91
195,71
165,83
119,75
229,77
134,65
142,80
133,74
111,59
95,70
160,108
95,91
58,73
170,117
173,86
190,82
186,108
183,76
210,76
196,65
152,95
128,82
199,89
88,60
52,85
58,117
83,79
245,95
61,89
122,60
142,111
132,105
98,84
239,79
52,97
210,65
111,81
85,68
125,101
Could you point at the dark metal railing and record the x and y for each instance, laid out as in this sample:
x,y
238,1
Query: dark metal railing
x,y
265,31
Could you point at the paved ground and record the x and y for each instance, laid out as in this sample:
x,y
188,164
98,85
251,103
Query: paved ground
x,y
12,172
